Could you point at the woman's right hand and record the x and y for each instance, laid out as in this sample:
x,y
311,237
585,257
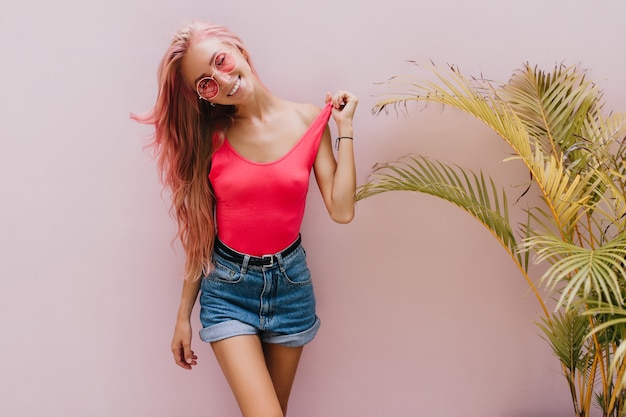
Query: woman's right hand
x,y
181,345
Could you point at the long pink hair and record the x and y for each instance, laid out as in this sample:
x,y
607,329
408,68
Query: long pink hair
x,y
183,144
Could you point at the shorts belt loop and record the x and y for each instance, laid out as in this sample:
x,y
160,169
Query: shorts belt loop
x,y
280,261
244,264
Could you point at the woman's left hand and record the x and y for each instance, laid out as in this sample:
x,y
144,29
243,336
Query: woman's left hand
x,y
344,105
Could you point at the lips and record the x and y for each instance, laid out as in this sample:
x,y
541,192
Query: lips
x,y
235,87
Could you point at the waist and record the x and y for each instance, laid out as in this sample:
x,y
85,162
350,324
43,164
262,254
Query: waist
x,y
263,260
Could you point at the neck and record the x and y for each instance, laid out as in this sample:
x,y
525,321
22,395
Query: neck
x,y
259,107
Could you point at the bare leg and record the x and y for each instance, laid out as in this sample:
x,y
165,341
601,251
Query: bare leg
x,y
243,363
282,363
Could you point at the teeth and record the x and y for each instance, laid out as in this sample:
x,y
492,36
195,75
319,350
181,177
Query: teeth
x,y
235,87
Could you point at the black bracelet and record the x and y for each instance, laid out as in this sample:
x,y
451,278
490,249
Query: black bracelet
x,y
339,138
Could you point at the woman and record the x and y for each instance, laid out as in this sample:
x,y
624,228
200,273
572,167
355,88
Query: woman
x,y
237,160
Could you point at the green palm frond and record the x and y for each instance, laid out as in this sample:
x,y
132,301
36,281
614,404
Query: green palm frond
x,y
613,321
567,196
609,321
582,272
566,332
472,192
535,108
553,106
609,159
473,96
603,132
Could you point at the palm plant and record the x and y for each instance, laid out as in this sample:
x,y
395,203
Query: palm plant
x,y
556,126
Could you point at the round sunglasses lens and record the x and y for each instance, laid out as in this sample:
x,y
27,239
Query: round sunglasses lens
x,y
225,63
207,88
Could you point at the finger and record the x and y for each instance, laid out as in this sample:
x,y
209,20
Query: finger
x,y
342,98
347,98
338,102
179,358
190,357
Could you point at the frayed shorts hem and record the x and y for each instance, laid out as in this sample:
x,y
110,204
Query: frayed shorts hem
x,y
232,328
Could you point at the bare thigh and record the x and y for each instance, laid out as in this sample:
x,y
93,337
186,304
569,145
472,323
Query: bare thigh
x,y
282,363
250,369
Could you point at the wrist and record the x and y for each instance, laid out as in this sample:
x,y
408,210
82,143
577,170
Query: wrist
x,y
343,138
184,314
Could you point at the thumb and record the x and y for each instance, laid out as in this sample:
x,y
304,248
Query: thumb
x,y
187,353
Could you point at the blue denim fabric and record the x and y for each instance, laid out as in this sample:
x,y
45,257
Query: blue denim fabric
x,y
276,302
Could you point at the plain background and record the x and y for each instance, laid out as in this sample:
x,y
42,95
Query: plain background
x,y
422,312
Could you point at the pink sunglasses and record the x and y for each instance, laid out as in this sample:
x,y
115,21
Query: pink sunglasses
x,y
207,88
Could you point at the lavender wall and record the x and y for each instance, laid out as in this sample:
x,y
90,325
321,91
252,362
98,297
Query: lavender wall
x,y
423,313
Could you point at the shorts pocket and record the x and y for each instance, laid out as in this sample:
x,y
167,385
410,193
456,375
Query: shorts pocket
x,y
297,272
224,273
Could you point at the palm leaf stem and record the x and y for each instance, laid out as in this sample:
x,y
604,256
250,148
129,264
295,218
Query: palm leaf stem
x,y
573,393
617,389
580,377
530,283
533,288
591,381
592,243
597,355
587,382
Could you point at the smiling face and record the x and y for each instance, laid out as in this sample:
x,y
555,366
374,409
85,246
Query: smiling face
x,y
217,71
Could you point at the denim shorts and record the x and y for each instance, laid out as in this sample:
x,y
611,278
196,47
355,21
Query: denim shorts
x,y
275,302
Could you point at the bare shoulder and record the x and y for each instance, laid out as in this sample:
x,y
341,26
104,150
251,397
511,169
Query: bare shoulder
x,y
306,112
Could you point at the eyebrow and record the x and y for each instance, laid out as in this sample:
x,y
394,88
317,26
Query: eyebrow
x,y
204,75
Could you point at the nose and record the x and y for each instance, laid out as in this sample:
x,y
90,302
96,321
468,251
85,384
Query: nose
x,y
220,77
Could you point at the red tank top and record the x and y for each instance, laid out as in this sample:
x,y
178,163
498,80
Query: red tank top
x,y
259,206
